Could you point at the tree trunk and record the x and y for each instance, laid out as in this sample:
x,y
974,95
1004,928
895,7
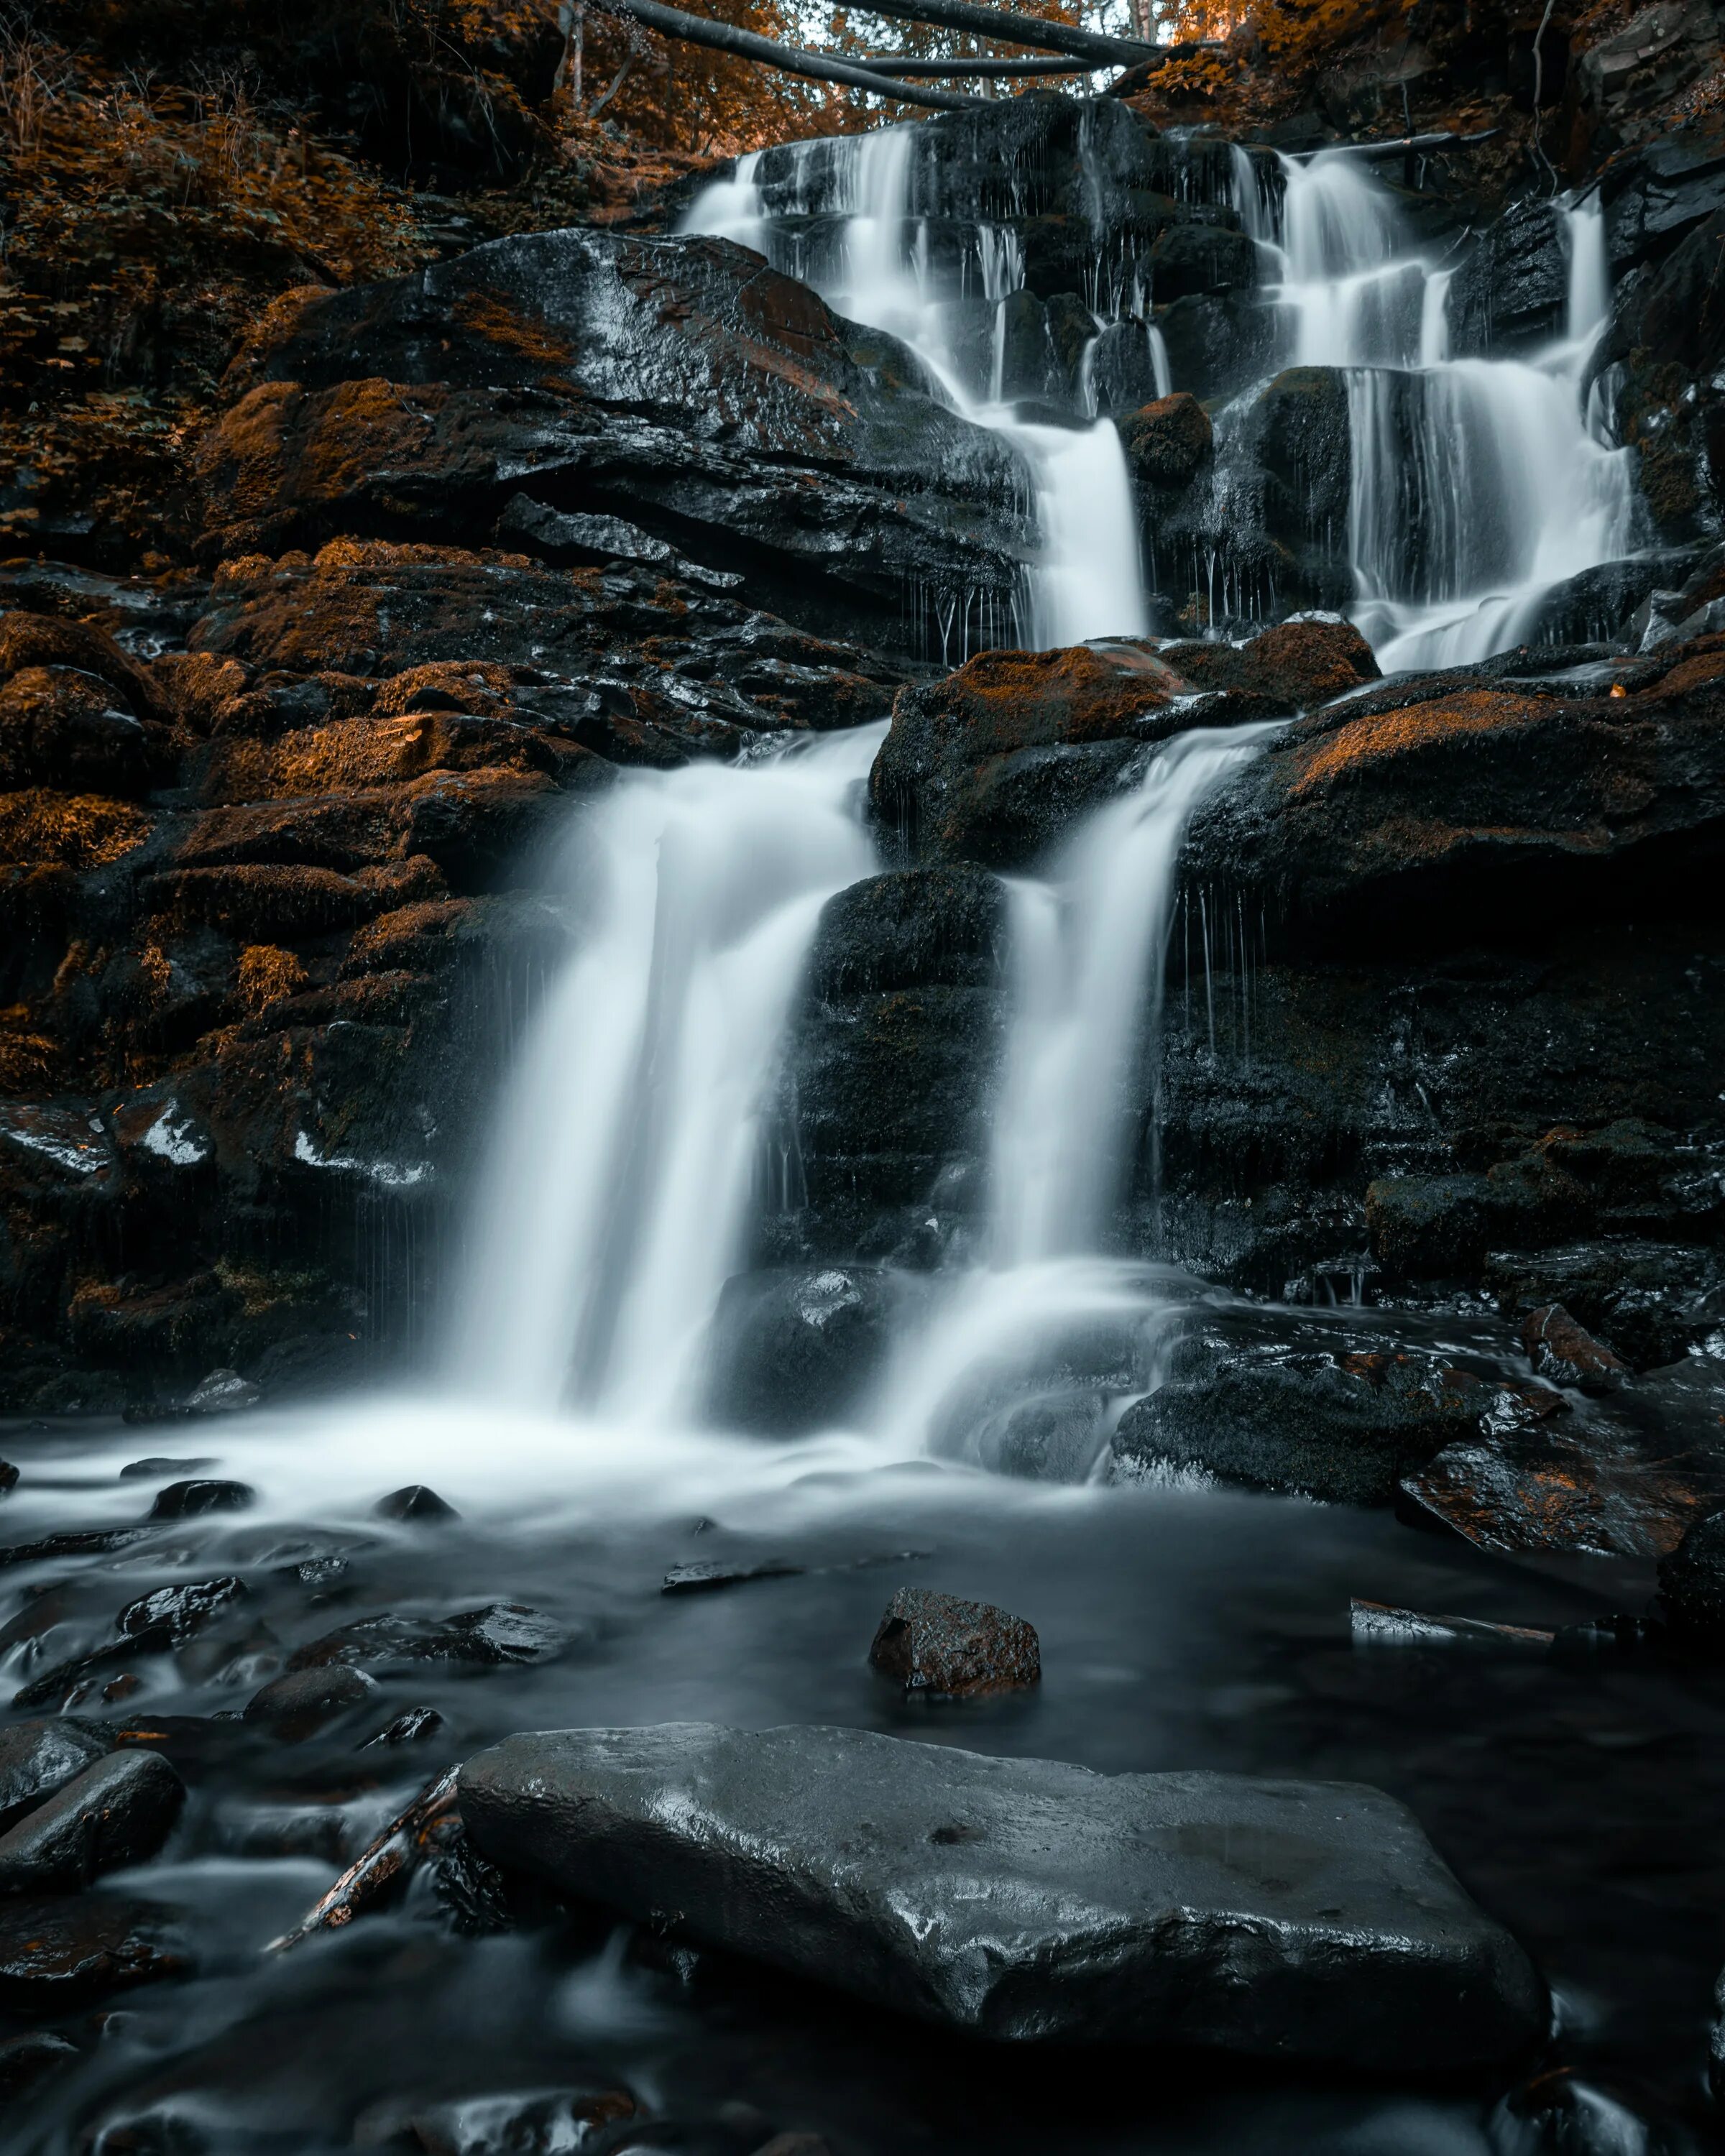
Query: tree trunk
x,y
819,67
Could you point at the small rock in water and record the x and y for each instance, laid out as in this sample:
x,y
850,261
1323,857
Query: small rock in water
x,y
172,1615
1380,1624
185,1500
1559,1349
155,1468
25,2061
8,1478
1557,2113
414,1503
223,1392
701,1578
298,1704
1027,1900
62,1953
119,1811
499,1632
409,1728
509,2124
950,1649
38,1757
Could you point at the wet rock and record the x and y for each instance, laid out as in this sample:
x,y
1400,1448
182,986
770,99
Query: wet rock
x,y
515,2123
8,1478
412,1727
1558,2113
1649,1302
425,404
298,1704
1167,442
1593,1490
187,1500
28,2060
499,1632
1301,662
223,1392
155,1470
64,1953
1380,1624
38,1758
704,1578
947,1648
1407,817
1511,292
1691,1580
118,1812
1191,260
170,1615
416,1505
1025,1899
1310,1413
62,729
1563,1352
1220,340
1301,439
792,1351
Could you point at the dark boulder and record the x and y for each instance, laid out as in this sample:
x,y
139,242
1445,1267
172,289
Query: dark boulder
x,y
1025,1900
186,1501
993,763
792,1351
298,1702
1649,1302
1302,1410
62,729
1511,292
1189,260
947,1648
118,1812
415,1504
1301,437
1217,343
1299,663
25,2061
1167,442
59,1954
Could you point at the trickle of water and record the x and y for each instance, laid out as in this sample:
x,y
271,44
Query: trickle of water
x,y
616,1198
1086,580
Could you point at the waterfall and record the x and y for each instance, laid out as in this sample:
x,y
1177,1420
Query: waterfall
x,y
1089,957
1086,580
1477,485
616,1198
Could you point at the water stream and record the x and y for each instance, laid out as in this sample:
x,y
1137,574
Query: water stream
x,y
1085,580
1477,482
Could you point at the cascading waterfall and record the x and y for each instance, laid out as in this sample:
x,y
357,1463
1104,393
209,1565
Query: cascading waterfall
x,y
1089,957
1477,485
1087,580
617,1197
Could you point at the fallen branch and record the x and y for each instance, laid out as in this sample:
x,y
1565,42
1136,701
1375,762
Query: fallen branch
x,y
890,63
398,1851
1005,29
790,60
1404,145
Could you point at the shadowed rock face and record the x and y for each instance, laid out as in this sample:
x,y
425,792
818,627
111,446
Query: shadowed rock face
x,y
1025,1900
679,384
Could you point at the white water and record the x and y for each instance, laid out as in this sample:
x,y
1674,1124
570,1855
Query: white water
x,y
1086,580
1477,484
1089,955
617,1194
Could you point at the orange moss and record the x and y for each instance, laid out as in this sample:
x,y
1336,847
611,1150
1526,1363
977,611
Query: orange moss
x,y
1389,734
267,973
1011,699
69,830
491,317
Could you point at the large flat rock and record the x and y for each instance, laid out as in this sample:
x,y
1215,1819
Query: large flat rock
x,y
1026,1899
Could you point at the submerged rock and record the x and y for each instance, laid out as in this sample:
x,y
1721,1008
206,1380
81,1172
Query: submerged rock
x,y
1026,1900
947,1648
795,1352
417,1504
499,1632
1692,1580
62,1952
298,1702
185,1500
